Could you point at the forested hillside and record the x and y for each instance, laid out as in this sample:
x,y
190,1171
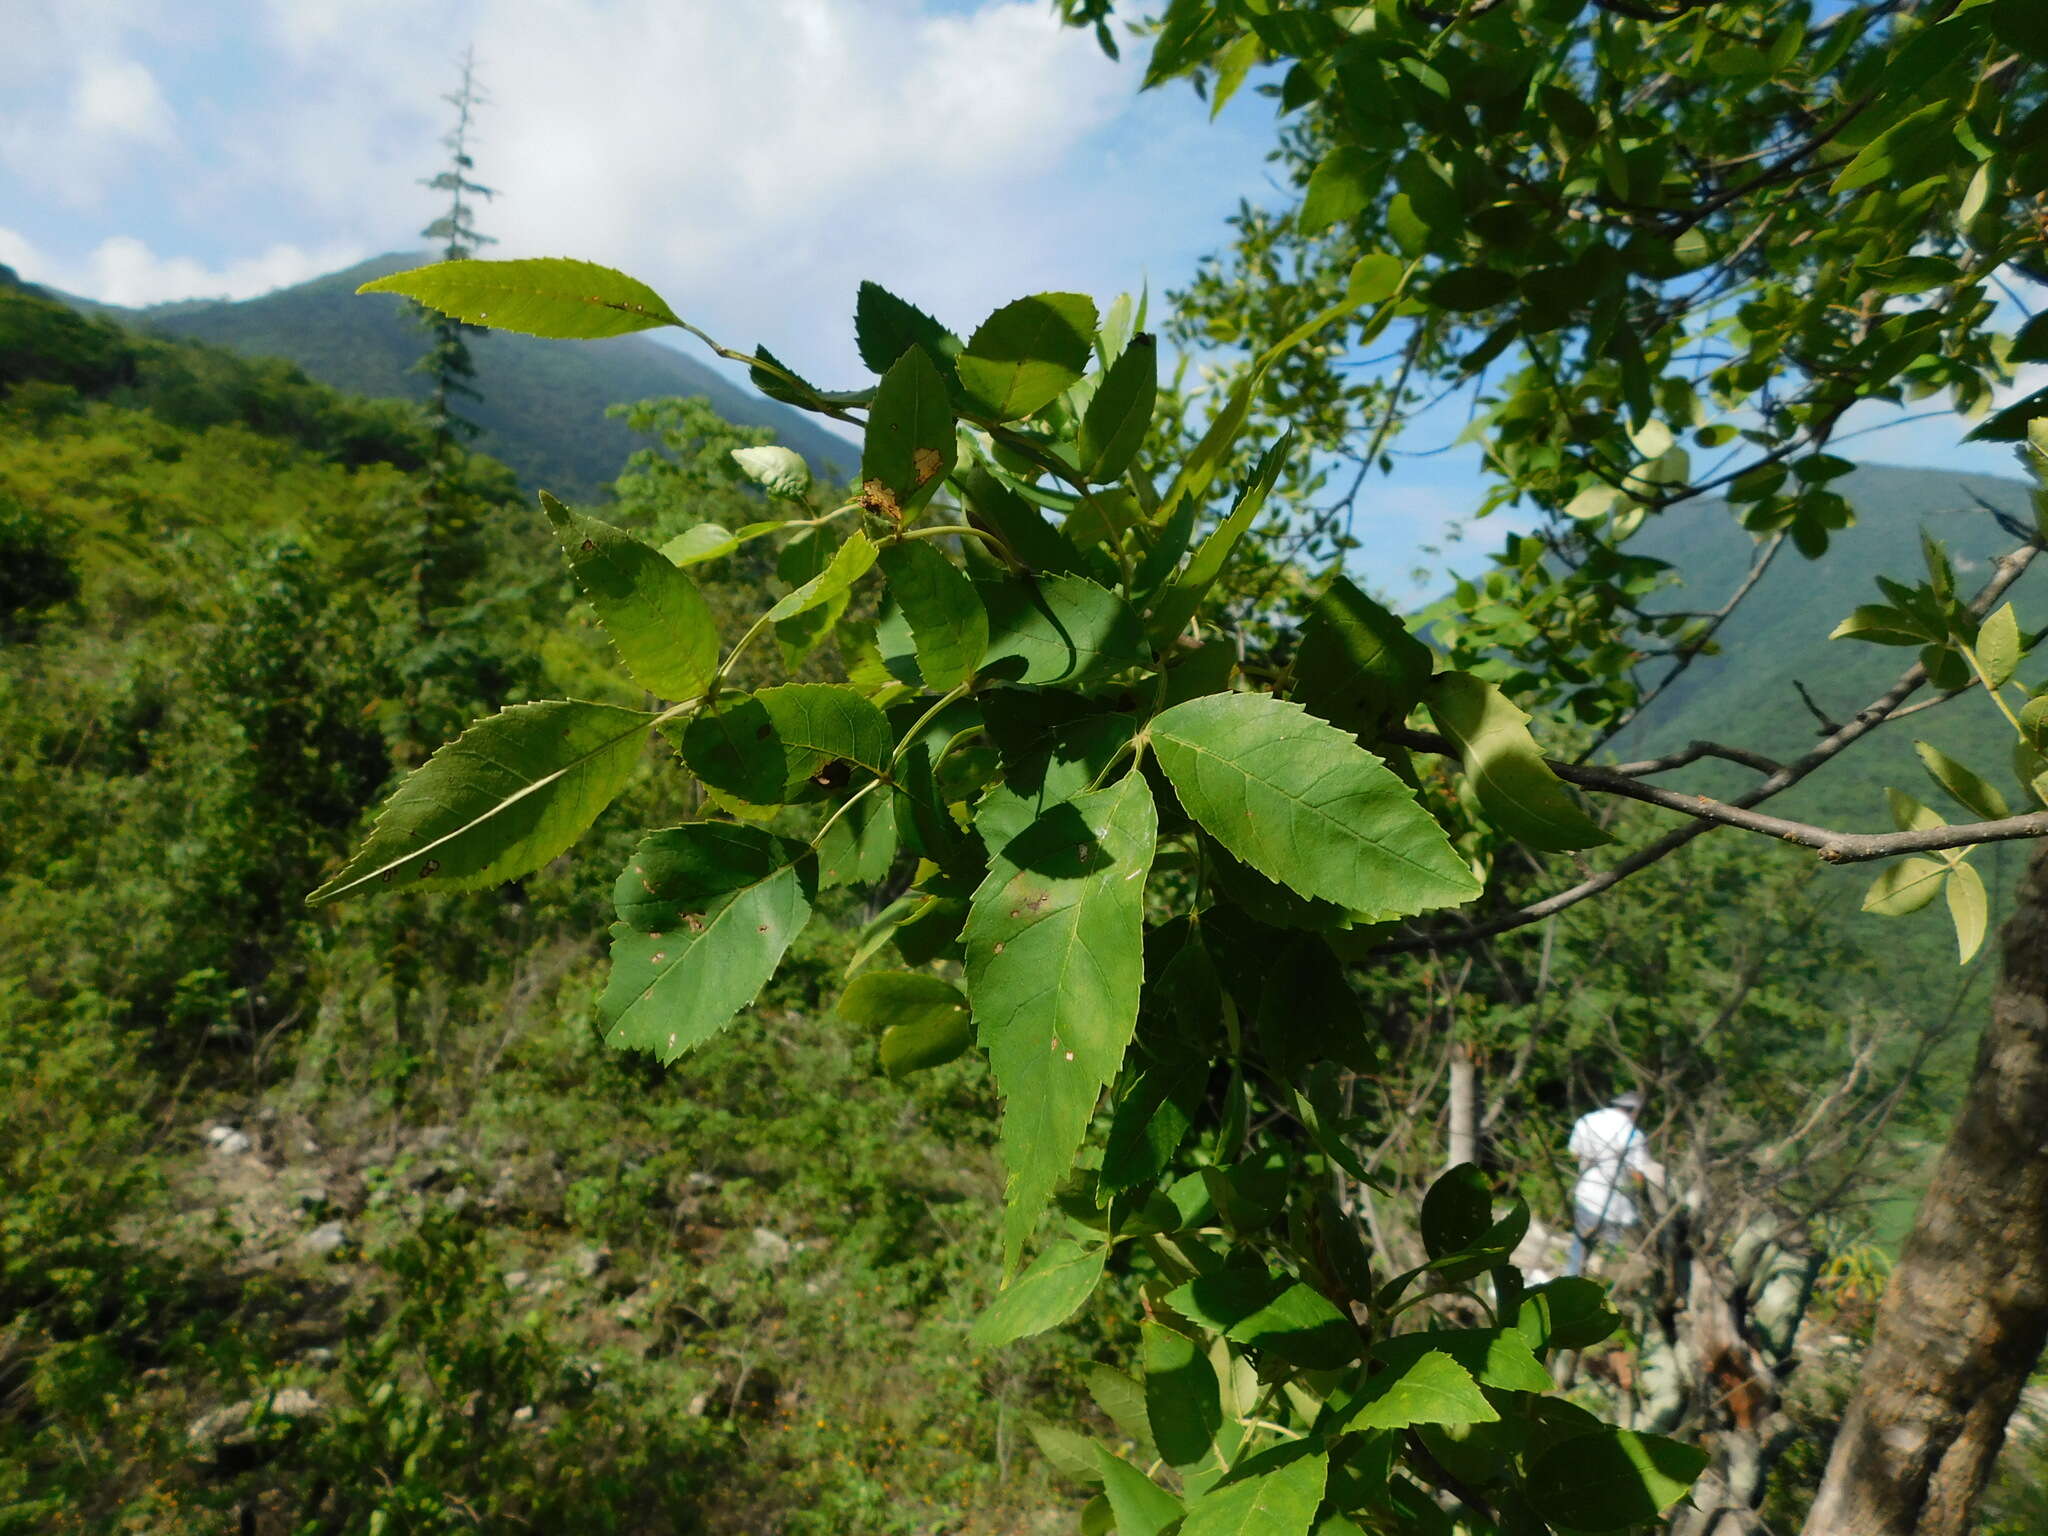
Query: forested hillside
x,y
543,414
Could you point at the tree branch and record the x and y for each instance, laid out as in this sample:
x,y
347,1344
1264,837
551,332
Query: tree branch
x,y
2010,568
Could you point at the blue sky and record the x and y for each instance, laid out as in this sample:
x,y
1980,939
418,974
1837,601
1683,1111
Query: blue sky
x,y
752,159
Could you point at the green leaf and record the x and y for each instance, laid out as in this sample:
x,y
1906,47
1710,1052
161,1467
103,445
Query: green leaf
x,y
849,564
1969,908
948,625
541,296
1071,1454
1304,804
1976,795
1054,969
708,911
1999,646
910,446
1465,289
860,847
1341,187
652,612
1122,1398
1880,625
1183,1403
2034,721
1434,1389
777,470
1877,159
885,327
1457,1211
1905,887
1516,788
772,747
1057,629
1612,1480
924,1020
1114,426
700,542
1358,666
1183,596
1141,1506
1026,354
1048,1292
1494,1357
1281,1502
1068,759
1273,1314
498,802
1567,1313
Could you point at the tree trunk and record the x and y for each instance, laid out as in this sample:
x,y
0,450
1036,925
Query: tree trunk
x,y
1462,1139
1966,1313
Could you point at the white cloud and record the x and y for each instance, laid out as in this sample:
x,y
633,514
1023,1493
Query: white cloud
x,y
124,270
116,98
753,161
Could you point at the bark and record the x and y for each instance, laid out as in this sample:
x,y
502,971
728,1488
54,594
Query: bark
x,y
1462,1140
1966,1313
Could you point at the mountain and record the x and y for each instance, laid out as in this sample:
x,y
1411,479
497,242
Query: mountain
x,y
543,404
1776,641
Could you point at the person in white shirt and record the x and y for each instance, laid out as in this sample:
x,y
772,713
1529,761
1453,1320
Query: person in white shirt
x,y
1612,1156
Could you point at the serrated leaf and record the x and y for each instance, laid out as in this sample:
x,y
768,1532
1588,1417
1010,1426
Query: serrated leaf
x,y
708,911
1048,1292
1183,1403
1026,354
1141,1506
1280,1502
1880,625
769,747
539,296
923,1020
1358,665
1494,1357
650,610
910,446
1054,969
1273,1314
1057,629
1114,426
1970,909
1122,1398
1612,1480
1516,788
850,562
1999,646
860,847
1905,887
1976,795
885,327
1304,804
1341,187
1457,1211
1183,596
777,470
499,801
1433,1389
948,625
1072,1454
